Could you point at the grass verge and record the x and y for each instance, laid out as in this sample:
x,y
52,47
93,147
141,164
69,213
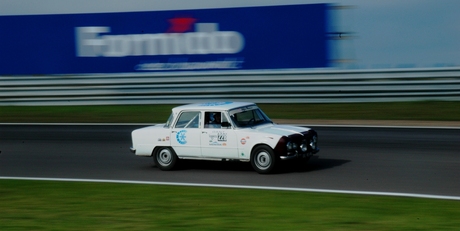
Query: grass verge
x,y
43,205
428,110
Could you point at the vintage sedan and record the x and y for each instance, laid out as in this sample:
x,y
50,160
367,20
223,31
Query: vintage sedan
x,y
223,131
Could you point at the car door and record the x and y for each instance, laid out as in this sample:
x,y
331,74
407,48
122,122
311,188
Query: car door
x,y
218,141
186,134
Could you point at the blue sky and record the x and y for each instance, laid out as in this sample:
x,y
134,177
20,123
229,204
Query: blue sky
x,y
387,33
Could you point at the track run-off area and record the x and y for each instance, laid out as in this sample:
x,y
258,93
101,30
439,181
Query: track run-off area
x,y
370,160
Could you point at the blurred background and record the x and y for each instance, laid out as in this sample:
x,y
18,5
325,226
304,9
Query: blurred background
x,y
157,52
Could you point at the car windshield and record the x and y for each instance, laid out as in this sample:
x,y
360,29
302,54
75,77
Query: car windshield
x,y
249,116
169,121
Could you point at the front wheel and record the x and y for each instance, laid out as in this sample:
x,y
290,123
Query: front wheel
x,y
263,159
165,158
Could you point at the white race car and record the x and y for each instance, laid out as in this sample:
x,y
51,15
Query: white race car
x,y
223,131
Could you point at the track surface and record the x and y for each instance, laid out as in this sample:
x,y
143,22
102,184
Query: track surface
x,y
402,160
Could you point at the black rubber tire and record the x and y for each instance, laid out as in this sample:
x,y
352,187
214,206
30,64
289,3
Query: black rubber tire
x,y
165,158
263,159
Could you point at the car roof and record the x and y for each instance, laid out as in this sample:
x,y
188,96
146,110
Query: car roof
x,y
209,106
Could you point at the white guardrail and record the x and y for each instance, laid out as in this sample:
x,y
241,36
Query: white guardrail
x,y
311,86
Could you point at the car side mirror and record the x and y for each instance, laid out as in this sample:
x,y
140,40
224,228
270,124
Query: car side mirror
x,y
225,125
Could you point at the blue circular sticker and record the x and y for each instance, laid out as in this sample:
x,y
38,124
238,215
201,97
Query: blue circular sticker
x,y
180,137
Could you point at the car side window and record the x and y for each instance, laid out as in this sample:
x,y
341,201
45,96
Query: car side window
x,y
189,119
216,120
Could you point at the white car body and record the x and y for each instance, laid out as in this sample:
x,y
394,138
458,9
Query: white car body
x,y
188,135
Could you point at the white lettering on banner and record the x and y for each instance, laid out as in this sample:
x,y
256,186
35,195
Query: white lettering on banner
x,y
224,64
87,42
90,42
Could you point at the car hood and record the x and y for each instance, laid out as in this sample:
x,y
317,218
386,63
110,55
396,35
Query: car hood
x,y
281,130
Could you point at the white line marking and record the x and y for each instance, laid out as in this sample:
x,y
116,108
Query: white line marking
x,y
380,126
80,124
303,125
369,193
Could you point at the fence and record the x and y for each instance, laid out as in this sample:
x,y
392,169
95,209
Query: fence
x,y
313,86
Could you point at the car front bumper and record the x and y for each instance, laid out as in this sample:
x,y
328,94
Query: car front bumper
x,y
133,150
300,155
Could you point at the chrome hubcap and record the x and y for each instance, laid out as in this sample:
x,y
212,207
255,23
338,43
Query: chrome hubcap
x,y
165,157
263,160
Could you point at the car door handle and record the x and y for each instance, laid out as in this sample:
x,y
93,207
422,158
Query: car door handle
x,y
204,132
173,131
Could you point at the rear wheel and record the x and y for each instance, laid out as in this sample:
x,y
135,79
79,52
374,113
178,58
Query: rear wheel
x,y
263,159
165,158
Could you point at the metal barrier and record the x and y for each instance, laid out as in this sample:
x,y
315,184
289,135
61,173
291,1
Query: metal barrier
x,y
312,86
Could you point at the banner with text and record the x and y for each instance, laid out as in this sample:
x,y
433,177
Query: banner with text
x,y
246,38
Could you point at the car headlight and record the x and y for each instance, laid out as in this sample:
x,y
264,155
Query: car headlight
x,y
289,146
313,142
303,147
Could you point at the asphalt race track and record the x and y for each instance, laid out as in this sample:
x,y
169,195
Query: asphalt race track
x,y
401,160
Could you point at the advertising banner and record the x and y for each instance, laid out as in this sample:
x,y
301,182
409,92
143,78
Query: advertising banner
x,y
246,38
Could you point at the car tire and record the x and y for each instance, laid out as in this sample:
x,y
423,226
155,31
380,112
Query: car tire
x,y
165,158
263,159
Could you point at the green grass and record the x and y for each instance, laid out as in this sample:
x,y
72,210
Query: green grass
x,y
46,205
429,110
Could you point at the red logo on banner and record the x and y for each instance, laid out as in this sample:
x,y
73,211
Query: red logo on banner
x,y
181,25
